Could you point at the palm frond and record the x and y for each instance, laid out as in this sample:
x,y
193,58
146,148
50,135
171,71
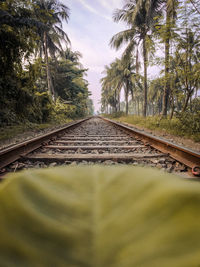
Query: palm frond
x,y
122,37
120,14
53,48
129,50
62,34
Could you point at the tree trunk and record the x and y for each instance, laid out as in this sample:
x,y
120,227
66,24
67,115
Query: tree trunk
x,y
49,80
126,100
135,107
167,82
186,101
142,106
115,96
137,61
145,76
153,109
173,107
160,106
119,101
126,91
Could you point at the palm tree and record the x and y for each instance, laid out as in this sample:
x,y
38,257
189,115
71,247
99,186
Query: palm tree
x,y
119,75
152,7
111,86
52,13
128,76
170,15
72,56
156,95
140,17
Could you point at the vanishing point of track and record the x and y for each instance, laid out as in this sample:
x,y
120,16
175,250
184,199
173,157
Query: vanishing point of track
x,y
101,141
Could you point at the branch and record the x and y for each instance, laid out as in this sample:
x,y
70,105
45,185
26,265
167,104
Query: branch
x,y
194,6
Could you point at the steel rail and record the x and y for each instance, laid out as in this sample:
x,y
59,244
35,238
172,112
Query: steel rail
x,y
184,155
181,154
15,152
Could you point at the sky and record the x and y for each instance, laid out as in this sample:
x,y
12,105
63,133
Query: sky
x,y
90,29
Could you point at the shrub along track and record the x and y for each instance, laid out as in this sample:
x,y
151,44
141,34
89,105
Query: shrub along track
x,y
97,140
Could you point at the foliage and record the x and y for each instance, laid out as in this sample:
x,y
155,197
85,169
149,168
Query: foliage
x,y
51,13
172,28
99,216
186,124
90,107
16,43
190,120
120,74
62,111
68,77
22,130
31,35
141,18
116,115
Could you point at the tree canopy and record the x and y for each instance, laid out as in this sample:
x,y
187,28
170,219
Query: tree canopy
x,y
39,72
163,34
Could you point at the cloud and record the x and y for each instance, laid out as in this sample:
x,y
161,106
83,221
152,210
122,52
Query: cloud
x,y
105,4
110,5
91,35
95,56
93,10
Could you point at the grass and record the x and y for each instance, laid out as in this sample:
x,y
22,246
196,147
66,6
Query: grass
x,y
8,132
174,126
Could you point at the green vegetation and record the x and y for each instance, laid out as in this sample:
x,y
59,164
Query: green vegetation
x,y
120,216
185,124
41,79
9,132
166,34
174,126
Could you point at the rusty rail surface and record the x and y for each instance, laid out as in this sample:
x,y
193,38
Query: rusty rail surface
x,y
184,155
13,153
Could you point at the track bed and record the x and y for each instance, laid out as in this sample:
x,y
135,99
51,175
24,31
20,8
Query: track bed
x,y
95,141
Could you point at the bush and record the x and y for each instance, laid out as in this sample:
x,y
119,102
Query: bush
x,y
190,119
186,124
118,114
62,112
115,115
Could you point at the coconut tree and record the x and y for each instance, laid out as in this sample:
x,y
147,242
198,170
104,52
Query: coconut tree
x,y
119,75
73,56
52,13
128,76
140,18
111,86
170,14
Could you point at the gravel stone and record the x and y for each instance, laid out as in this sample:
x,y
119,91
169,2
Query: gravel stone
x,y
53,164
105,135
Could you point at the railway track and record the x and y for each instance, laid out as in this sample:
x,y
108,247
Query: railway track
x,y
101,141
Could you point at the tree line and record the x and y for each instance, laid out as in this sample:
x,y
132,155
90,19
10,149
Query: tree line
x,y
162,33
40,76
